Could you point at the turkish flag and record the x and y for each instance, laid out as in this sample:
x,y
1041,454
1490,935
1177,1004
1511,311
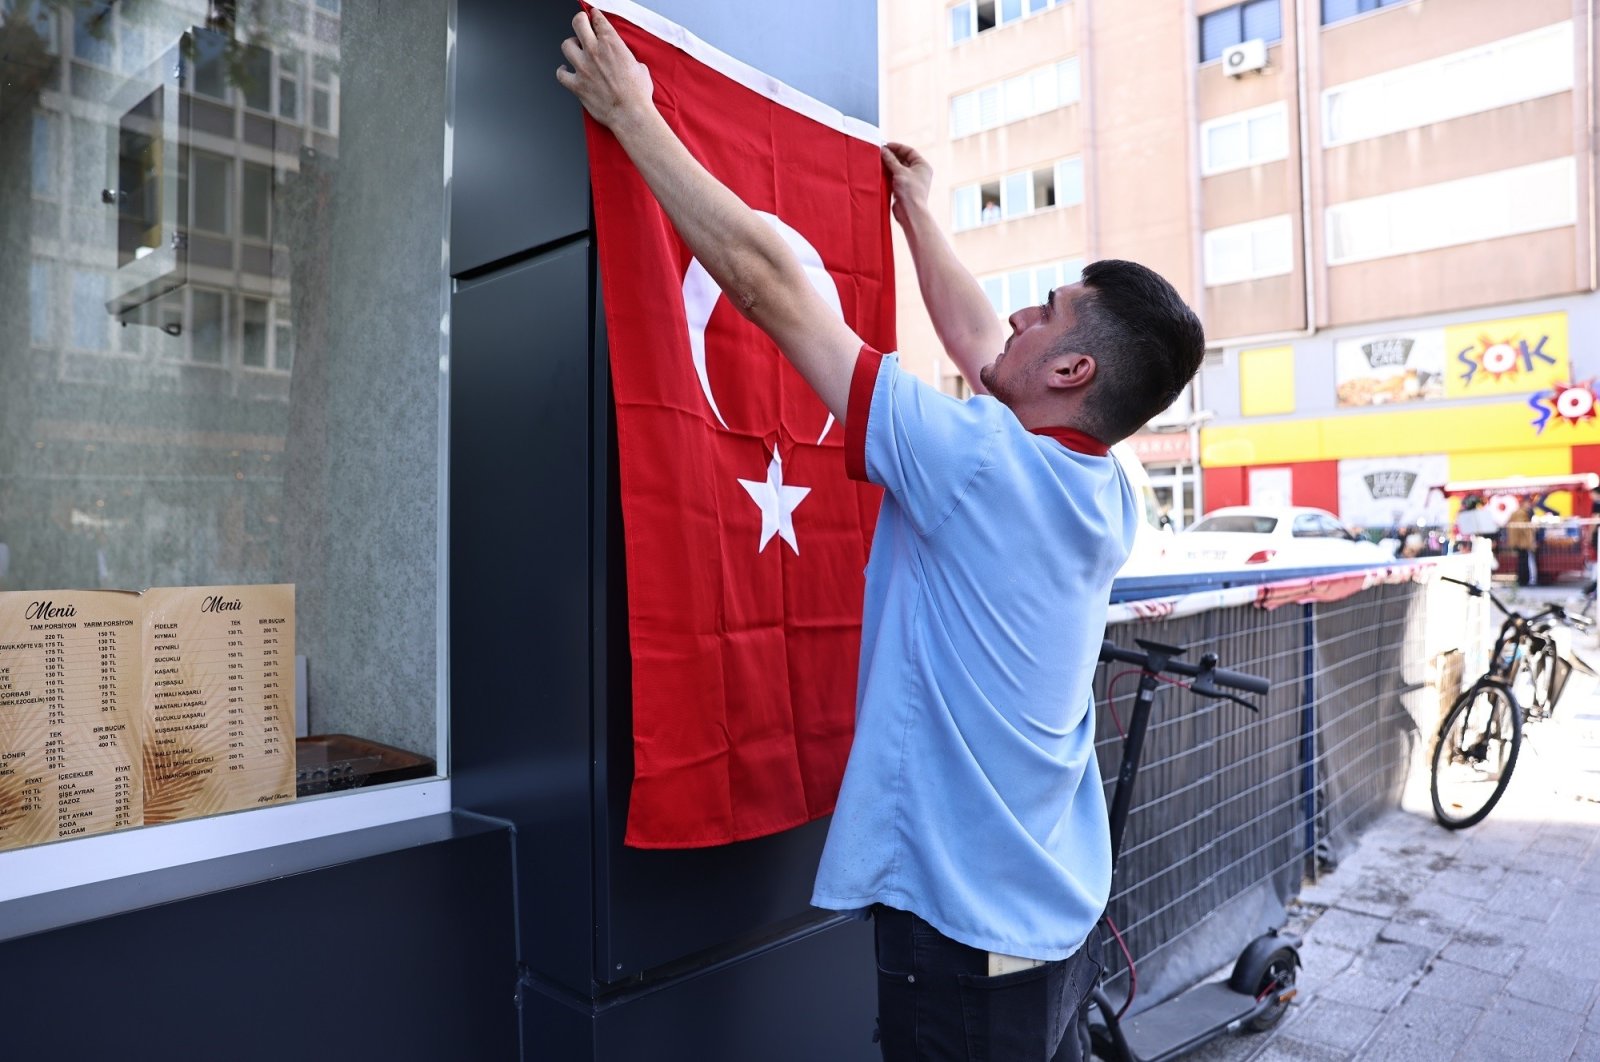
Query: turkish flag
x,y
745,541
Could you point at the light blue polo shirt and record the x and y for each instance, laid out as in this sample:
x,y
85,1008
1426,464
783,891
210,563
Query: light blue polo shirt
x,y
972,796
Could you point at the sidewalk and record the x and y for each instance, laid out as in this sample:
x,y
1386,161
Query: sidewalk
x,y
1483,943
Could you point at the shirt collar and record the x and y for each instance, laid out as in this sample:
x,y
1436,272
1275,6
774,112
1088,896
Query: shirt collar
x,y
1073,439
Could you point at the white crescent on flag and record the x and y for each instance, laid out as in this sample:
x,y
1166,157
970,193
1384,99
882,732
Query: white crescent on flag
x,y
700,295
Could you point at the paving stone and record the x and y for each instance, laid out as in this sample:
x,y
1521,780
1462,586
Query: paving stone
x,y
1393,961
1421,1030
1588,1049
1564,989
1526,895
1473,883
1460,984
1321,962
1346,929
1329,1023
1377,894
1353,988
1288,1049
1480,1047
1440,910
1420,933
1483,952
1539,1031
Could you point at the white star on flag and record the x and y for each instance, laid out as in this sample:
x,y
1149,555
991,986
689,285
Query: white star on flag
x,y
777,503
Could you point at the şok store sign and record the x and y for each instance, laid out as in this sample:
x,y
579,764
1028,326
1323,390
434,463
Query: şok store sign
x,y
1403,400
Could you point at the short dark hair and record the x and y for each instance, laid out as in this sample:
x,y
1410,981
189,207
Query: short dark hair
x,y
1146,342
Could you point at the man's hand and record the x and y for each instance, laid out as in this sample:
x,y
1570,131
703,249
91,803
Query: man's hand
x,y
962,317
748,260
610,83
911,177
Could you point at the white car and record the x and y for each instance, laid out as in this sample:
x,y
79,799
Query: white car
x,y
1239,536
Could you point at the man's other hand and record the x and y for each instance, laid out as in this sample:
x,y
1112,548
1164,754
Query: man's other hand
x,y
609,82
911,177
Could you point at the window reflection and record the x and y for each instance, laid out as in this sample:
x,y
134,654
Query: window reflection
x,y
210,302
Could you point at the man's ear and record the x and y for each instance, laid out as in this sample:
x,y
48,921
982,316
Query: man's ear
x,y
1071,370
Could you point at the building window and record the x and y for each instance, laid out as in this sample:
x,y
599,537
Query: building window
x,y
973,17
1018,194
1250,251
1010,292
44,155
88,311
1339,10
324,90
1247,138
41,319
1513,70
1032,92
289,86
1486,207
1249,21
93,33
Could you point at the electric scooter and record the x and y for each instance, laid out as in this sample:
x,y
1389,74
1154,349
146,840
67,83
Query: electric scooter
x,y
1256,996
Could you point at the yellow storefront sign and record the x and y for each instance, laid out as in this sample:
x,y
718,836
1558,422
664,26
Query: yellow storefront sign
x,y
1500,427
1514,355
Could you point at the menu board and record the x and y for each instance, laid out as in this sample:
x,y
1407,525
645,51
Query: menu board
x,y
120,709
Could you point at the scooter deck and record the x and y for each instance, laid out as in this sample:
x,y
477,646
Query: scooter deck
x,y
1189,1020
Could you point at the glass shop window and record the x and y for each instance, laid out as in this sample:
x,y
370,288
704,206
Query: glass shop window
x,y
224,395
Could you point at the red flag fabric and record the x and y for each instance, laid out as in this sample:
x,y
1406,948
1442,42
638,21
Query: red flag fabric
x,y
745,541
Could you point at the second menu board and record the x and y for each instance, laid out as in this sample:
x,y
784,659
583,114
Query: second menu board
x,y
218,725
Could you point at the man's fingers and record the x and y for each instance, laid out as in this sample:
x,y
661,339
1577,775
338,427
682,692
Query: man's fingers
x,y
581,27
572,52
602,25
568,79
890,163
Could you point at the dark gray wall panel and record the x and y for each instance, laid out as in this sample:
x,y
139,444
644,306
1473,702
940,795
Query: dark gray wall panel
x,y
399,954
520,586
521,178
813,998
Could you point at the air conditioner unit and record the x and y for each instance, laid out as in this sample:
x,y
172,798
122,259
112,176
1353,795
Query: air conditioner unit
x,y
1242,58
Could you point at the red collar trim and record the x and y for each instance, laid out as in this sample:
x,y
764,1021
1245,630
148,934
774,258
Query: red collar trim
x,y
1073,439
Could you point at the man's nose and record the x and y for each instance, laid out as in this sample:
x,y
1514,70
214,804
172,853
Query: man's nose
x,y
1021,318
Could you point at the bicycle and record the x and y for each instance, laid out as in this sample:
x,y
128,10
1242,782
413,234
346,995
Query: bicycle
x,y
1476,749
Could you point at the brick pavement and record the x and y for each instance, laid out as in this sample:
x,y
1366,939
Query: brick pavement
x,y
1426,944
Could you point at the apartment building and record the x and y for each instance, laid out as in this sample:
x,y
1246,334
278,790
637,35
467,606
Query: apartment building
x,y
1382,210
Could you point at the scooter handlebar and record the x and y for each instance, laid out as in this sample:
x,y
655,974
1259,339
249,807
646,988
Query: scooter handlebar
x,y
1217,676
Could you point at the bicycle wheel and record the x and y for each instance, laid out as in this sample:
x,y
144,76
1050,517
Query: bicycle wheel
x,y
1475,754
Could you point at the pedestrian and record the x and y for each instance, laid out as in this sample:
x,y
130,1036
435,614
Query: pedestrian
x,y
1520,538
971,823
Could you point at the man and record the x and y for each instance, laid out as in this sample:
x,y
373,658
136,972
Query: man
x,y
1520,538
972,819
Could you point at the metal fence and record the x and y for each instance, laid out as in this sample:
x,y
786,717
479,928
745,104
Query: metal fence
x,y
1234,809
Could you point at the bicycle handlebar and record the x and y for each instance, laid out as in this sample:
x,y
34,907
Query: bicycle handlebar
x,y
1206,669
1580,621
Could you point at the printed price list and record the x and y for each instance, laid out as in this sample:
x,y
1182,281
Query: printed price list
x,y
69,714
220,699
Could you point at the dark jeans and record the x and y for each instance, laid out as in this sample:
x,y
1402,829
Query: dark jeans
x,y
937,1003
1525,567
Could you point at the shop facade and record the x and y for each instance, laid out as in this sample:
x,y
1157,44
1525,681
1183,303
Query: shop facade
x,y
1368,421
304,293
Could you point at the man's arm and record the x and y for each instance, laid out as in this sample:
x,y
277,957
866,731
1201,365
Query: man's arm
x,y
747,259
963,317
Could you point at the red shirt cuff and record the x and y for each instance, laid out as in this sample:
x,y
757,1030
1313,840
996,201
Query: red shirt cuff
x,y
862,383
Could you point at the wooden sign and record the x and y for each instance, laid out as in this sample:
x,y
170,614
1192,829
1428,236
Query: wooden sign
x,y
121,709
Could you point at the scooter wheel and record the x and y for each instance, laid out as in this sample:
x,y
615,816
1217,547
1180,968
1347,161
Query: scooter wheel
x,y
1267,965
1277,976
